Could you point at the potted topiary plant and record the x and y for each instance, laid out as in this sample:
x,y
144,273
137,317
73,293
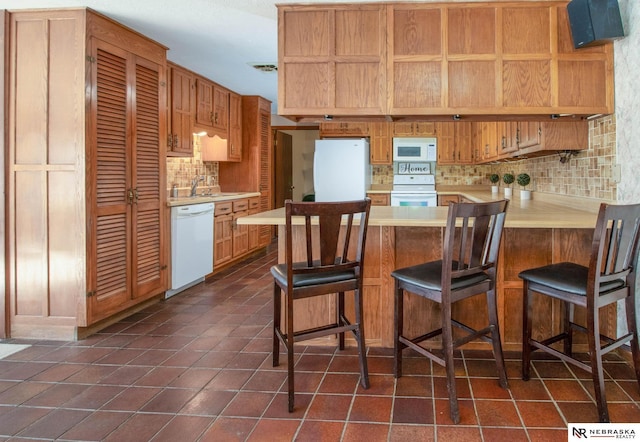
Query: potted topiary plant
x,y
508,179
494,178
524,180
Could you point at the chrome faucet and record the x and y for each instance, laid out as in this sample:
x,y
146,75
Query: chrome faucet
x,y
194,185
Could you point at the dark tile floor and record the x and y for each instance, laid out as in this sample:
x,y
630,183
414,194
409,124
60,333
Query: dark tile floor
x,y
198,367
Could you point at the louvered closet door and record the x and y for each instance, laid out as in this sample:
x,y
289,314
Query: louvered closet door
x,y
109,177
147,259
265,232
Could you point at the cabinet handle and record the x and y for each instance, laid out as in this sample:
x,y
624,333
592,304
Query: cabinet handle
x,y
169,141
135,196
211,116
130,196
215,118
175,140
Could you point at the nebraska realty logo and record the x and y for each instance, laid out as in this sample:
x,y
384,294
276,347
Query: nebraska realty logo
x,y
602,432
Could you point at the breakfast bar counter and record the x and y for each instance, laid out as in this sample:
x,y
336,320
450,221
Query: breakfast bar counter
x,y
541,231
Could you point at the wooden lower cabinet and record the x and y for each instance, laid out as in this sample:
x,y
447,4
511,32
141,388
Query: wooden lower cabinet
x,y
222,233
254,230
240,232
233,241
444,200
379,199
254,172
388,248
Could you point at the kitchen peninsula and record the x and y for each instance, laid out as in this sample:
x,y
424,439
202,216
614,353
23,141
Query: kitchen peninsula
x,y
547,229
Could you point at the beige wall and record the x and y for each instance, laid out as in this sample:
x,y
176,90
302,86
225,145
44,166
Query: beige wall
x,y
627,66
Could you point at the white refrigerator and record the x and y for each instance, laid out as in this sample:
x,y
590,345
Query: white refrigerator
x,y
341,169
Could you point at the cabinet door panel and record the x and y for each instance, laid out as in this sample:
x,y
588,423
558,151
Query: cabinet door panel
x,y
472,84
464,142
307,33
417,85
307,85
472,31
220,118
528,134
182,111
266,184
417,31
235,127
526,30
583,83
204,111
358,32
526,83
446,143
357,85
380,143
110,275
147,259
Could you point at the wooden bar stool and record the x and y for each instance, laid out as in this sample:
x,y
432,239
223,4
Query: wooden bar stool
x,y
610,277
333,265
468,268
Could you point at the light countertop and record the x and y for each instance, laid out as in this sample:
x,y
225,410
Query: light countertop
x,y
543,211
218,197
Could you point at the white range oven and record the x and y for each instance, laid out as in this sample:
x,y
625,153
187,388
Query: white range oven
x,y
414,190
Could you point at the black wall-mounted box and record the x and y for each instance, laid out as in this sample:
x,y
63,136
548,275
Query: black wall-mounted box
x,y
594,22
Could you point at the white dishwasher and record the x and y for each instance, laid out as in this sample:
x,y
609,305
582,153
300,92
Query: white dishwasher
x,y
191,245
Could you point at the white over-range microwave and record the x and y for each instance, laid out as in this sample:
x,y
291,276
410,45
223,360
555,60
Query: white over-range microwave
x,y
414,149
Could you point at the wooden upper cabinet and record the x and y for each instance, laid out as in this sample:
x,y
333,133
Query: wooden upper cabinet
x,y
220,118
212,107
344,129
235,127
446,143
545,136
471,31
440,59
585,75
380,143
472,58
525,30
331,60
204,102
455,143
527,47
414,129
182,106
415,59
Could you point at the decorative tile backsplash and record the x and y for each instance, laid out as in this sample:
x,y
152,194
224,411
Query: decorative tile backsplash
x,y
182,170
587,174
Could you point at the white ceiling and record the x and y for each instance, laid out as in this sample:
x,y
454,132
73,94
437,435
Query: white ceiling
x,y
216,38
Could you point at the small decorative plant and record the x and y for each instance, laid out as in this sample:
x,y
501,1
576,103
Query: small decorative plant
x,y
494,178
524,180
508,179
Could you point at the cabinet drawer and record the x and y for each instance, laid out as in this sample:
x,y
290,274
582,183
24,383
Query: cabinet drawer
x,y
254,202
379,199
240,205
444,200
223,208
